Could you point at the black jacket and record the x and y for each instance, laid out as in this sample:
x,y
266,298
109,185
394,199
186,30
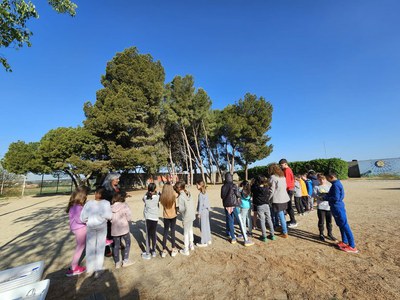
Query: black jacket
x,y
228,191
260,195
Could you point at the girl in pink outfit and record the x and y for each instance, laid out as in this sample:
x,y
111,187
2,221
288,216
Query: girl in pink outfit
x,y
78,228
121,216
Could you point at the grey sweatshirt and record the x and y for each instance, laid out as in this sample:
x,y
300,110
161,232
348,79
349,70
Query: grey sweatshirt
x,y
278,189
151,207
95,213
186,207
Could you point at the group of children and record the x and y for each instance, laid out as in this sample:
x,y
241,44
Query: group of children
x,y
269,199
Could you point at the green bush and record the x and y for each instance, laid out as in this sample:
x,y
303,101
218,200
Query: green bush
x,y
300,167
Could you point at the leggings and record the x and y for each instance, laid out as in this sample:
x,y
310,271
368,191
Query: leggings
x,y
151,227
299,205
80,237
167,224
117,246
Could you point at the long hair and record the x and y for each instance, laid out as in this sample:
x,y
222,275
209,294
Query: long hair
x,y
78,196
119,197
246,188
109,178
168,196
274,169
202,185
151,188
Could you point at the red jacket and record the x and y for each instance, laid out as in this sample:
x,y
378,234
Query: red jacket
x,y
289,178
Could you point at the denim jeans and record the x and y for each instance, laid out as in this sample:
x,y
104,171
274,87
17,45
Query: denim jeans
x,y
230,219
281,217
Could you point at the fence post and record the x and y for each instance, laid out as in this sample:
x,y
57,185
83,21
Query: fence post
x,y
2,184
58,181
23,186
41,185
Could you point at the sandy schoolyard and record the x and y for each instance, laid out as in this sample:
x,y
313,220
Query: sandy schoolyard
x,y
300,267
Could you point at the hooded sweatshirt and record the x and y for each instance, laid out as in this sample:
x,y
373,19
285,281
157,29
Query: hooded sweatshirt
x,y
95,213
228,191
121,215
186,207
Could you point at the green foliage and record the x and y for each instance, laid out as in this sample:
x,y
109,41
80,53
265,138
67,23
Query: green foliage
x,y
300,167
126,113
13,17
22,158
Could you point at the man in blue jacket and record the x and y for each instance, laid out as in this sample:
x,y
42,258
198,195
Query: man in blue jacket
x,y
335,198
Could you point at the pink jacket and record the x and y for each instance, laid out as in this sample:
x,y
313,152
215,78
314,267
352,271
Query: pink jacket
x,y
121,215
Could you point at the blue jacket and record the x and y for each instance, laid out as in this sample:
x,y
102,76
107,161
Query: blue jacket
x,y
335,195
309,186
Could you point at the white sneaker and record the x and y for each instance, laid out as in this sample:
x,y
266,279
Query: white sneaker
x,y
174,252
118,265
184,252
209,242
191,247
146,256
293,225
201,245
164,253
127,263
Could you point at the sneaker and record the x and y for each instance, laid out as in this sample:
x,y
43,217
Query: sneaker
x,y
350,249
293,225
322,238
164,253
78,270
240,236
146,255
118,265
248,243
109,242
191,247
184,252
342,245
263,239
201,245
332,238
209,242
272,237
174,252
284,235
127,263
153,254
108,253
233,241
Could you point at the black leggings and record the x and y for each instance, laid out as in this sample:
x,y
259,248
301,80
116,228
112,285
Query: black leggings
x,y
299,205
327,215
167,224
304,200
290,209
117,246
151,227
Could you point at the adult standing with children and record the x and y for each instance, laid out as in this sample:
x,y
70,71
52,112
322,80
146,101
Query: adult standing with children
x,y
288,173
279,196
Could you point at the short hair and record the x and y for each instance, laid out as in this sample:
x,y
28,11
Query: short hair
x,y
283,161
100,190
330,173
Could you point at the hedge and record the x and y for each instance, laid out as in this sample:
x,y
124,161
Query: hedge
x,y
300,167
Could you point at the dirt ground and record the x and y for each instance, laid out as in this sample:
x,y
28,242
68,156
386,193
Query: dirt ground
x,y
300,267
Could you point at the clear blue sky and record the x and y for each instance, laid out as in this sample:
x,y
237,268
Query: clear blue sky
x,y
331,69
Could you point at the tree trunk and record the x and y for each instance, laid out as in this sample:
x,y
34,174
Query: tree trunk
x,y
186,140
233,161
72,175
246,171
210,155
199,155
173,172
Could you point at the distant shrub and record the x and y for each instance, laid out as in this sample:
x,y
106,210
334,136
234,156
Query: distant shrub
x,y
299,167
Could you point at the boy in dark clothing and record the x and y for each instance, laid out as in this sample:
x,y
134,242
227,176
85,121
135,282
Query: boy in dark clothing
x,y
335,198
231,199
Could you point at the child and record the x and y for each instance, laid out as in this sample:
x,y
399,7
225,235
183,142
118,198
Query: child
x,y
186,208
245,195
297,195
323,210
203,208
121,216
168,201
309,185
95,214
231,200
261,196
335,198
78,228
151,207
304,193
